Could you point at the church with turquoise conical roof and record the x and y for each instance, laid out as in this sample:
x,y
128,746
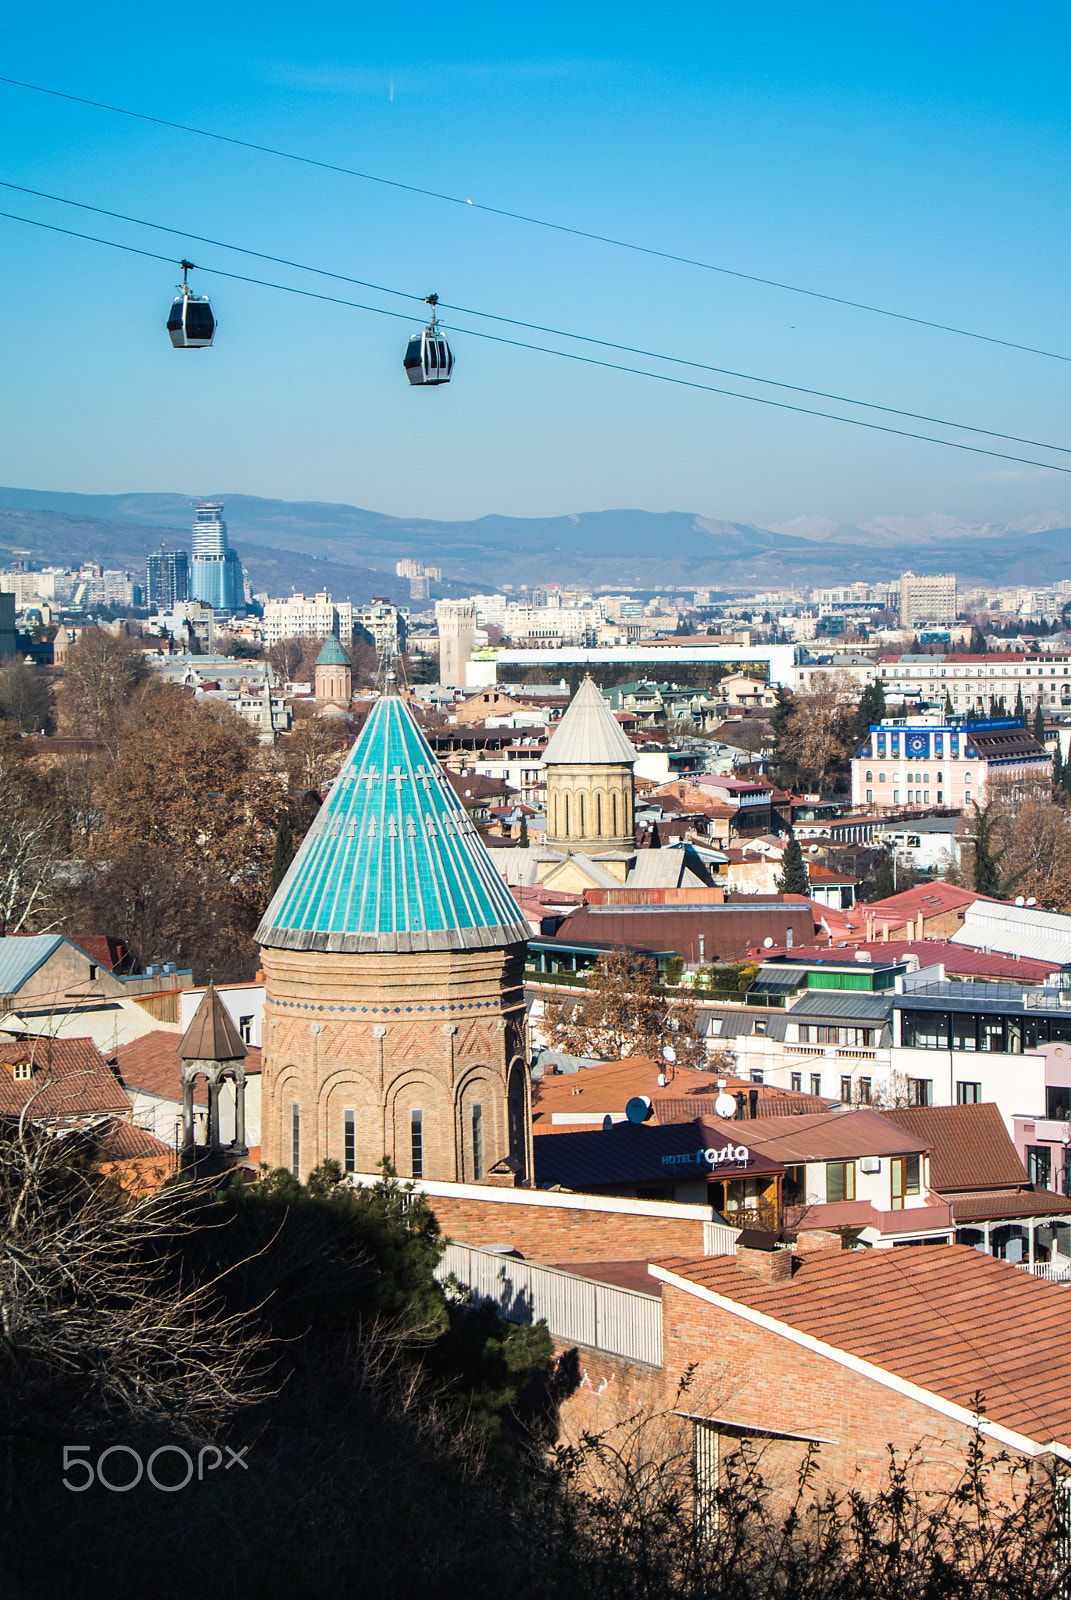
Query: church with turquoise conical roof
x,y
393,958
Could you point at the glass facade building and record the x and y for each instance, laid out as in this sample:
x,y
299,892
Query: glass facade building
x,y
215,570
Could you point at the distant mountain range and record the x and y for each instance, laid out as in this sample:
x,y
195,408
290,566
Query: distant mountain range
x,y
309,545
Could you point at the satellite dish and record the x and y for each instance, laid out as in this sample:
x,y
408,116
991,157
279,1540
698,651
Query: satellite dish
x,y
767,943
725,1106
1032,901
662,1080
637,1110
669,1054
1019,901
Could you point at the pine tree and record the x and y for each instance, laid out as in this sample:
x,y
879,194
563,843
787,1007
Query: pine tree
x,y
1057,768
284,852
1019,710
574,682
985,877
884,877
793,879
655,841
870,710
949,709
522,838
1039,726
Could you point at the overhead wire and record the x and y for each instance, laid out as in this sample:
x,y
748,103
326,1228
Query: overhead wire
x,y
536,327
541,222
565,355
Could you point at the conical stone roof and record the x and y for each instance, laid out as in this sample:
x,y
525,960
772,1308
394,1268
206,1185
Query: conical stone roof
x,y
211,1035
392,862
588,735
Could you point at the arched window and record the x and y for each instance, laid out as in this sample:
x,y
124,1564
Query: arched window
x,y
565,803
598,814
870,777
580,806
613,805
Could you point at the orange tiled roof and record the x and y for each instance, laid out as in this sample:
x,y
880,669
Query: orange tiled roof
x,y
943,1317
70,1079
969,1146
152,1065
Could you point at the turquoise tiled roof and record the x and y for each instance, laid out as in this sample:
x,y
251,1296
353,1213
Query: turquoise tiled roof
x,y
392,862
332,654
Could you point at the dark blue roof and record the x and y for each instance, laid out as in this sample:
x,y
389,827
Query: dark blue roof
x,y
630,1152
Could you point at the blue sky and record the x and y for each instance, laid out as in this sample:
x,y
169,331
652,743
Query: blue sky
x,y
913,156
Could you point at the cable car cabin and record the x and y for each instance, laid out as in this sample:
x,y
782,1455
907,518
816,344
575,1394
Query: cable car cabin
x,y
191,323
428,358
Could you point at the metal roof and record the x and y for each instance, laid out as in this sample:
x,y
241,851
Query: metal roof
x,y
20,957
588,735
840,1004
392,862
211,1035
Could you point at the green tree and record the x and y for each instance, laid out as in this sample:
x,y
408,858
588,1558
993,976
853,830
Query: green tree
x,y
1057,768
1019,710
1039,726
884,877
284,852
949,709
985,877
978,646
871,708
793,878
522,838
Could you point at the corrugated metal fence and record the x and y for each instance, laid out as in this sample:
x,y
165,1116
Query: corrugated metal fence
x,y
623,1322
719,1240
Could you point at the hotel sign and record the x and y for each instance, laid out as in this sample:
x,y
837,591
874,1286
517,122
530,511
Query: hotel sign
x,y
729,1155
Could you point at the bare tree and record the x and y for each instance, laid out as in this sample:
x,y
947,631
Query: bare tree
x,y
102,675
623,1011
98,1325
33,843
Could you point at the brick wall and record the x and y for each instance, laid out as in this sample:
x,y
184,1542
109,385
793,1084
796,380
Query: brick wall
x,y
557,1234
752,1377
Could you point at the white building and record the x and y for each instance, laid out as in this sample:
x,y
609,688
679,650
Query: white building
x,y
308,617
457,640
973,682
927,599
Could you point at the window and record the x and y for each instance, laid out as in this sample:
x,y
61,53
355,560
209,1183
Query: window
x,y
881,777
794,1188
920,1091
23,1070
477,1141
416,1136
245,1028
840,1180
295,1140
865,1091
1058,1104
847,1038
870,794
349,1142
756,1075
796,1082
92,972
816,1083
896,797
1039,1164
924,1030
846,1091
968,1094
906,1179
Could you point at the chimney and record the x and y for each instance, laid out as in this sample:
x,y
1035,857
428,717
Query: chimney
x,y
758,1254
808,1240
753,1103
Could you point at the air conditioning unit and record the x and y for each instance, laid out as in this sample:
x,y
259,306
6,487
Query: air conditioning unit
x,y
870,1164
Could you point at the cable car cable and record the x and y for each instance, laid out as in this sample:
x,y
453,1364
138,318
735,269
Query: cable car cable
x,y
566,355
542,222
537,327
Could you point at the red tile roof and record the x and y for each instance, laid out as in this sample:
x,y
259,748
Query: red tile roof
x,y
152,1065
960,960
1006,1204
969,1146
70,1079
929,898
946,1318
120,1140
